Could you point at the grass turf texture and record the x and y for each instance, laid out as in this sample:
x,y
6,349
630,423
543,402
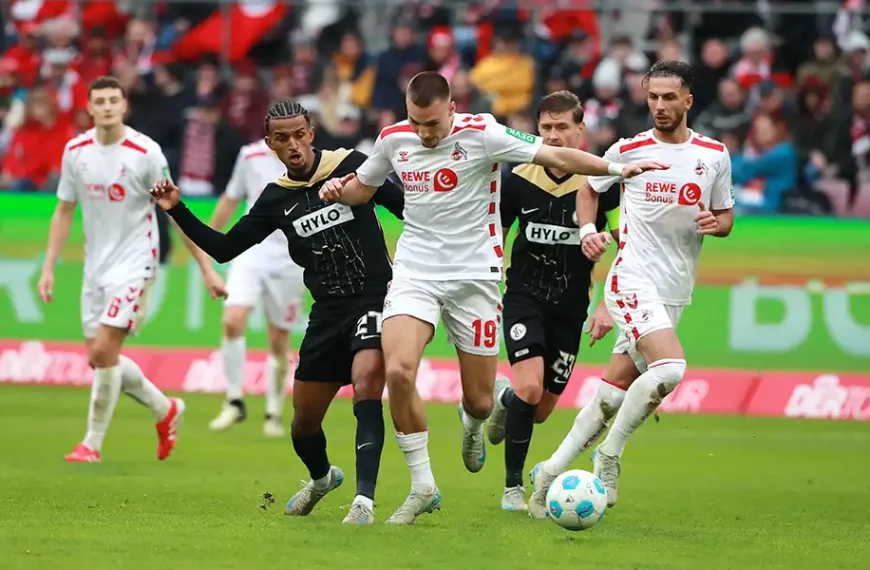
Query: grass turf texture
x,y
697,492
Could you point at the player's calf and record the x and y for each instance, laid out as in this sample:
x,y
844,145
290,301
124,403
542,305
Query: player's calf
x,y
368,387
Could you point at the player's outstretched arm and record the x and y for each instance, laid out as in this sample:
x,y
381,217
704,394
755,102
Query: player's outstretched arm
x,y
249,231
580,162
58,232
347,190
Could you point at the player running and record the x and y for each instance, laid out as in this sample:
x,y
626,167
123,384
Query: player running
x,y
346,267
664,219
448,260
263,272
548,290
109,170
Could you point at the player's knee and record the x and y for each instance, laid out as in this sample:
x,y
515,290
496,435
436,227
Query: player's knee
x,y
368,382
234,326
401,376
663,376
102,355
529,390
278,346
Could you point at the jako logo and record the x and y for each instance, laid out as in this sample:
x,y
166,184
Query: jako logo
x,y
327,217
446,180
690,194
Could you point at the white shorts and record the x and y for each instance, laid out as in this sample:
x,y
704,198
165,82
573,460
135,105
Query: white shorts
x,y
281,291
120,306
637,314
470,310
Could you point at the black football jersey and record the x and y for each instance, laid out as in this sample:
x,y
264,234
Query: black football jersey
x,y
341,249
546,260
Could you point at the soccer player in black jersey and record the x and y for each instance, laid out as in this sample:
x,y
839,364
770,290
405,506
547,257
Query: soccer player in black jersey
x,y
347,268
548,290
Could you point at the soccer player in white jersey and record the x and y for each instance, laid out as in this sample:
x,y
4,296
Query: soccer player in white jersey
x,y
109,171
263,272
448,261
665,216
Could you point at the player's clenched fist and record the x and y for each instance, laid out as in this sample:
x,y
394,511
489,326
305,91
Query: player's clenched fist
x,y
632,169
708,224
332,189
594,245
166,193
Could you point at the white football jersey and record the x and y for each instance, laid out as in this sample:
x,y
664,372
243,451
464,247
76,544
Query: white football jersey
x,y
112,185
452,228
256,167
659,240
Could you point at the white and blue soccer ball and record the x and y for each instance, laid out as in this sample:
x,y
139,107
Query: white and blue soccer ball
x,y
576,500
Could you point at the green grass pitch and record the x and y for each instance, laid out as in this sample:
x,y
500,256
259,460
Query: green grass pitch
x,y
696,493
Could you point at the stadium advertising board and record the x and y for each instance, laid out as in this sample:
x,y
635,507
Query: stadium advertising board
x,y
779,295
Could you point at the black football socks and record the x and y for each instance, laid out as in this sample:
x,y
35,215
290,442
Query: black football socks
x,y
369,445
519,425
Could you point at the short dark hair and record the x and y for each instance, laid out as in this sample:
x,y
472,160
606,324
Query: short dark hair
x,y
427,87
672,68
106,82
285,110
561,102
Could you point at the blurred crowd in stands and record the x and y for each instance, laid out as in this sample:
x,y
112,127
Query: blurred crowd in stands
x,y
788,93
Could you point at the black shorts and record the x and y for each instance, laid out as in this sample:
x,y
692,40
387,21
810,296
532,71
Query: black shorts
x,y
336,331
532,329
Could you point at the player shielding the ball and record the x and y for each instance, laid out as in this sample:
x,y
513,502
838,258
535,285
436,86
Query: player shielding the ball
x,y
664,218
448,261
109,171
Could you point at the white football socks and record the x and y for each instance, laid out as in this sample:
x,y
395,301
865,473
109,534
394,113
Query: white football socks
x,y
233,353
471,423
588,426
415,446
276,383
104,395
137,386
641,400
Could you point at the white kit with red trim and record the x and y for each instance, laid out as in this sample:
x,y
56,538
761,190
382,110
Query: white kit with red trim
x,y
255,168
111,184
452,229
659,240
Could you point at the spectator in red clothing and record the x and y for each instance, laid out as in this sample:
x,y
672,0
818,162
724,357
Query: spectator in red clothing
x,y
35,153
96,57
441,55
24,56
70,93
246,103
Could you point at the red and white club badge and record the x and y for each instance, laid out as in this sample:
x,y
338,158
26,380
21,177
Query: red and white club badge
x,y
117,193
446,180
690,194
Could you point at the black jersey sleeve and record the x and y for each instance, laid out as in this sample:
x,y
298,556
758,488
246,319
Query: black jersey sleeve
x,y
609,200
250,230
392,198
511,200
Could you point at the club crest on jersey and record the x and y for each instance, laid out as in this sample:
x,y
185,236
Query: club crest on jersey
x,y
403,156
459,153
518,331
322,219
700,168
